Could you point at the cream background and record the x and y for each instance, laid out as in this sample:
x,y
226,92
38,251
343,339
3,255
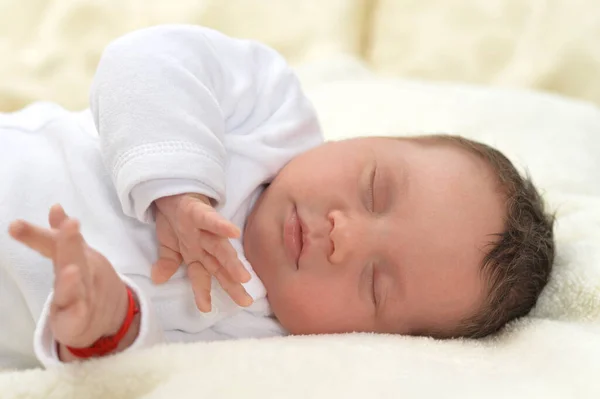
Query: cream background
x,y
49,48
543,44
350,55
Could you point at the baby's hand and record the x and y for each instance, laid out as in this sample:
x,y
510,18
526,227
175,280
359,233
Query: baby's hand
x,y
90,299
189,229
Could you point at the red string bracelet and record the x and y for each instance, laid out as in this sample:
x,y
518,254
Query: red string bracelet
x,y
105,345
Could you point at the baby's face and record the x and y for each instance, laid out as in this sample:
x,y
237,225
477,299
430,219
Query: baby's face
x,y
375,235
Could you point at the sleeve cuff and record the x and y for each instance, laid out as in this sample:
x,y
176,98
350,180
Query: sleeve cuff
x,y
144,194
150,332
176,161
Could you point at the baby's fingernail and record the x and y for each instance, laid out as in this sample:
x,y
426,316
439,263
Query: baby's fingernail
x,y
247,301
245,276
234,231
57,208
204,307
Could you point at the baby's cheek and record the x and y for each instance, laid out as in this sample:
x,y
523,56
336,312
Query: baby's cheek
x,y
297,307
313,307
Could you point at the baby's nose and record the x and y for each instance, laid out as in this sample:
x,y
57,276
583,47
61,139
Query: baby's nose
x,y
345,237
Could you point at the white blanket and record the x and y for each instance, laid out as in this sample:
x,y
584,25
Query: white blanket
x,y
555,353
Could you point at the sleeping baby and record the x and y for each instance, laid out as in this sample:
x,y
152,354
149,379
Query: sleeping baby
x,y
198,202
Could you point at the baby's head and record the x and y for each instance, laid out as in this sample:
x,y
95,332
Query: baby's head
x,y
432,235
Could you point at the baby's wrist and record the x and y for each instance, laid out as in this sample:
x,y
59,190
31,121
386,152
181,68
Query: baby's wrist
x,y
200,197
120,333
116,318
66,355
169,204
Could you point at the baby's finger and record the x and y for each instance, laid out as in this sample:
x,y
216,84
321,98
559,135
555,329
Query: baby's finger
x,y
201,283
233,288
56,216
70,249
210,220
68,287
37,238
222,249
167,264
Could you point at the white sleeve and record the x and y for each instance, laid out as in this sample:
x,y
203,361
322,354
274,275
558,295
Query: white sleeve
x,y
151,333
164,100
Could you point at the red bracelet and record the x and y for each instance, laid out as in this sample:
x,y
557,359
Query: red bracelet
x,y
105,345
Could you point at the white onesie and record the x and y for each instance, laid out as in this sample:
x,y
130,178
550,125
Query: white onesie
x,y
174,109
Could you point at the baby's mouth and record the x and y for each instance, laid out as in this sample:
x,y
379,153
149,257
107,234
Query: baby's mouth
x,y
293,236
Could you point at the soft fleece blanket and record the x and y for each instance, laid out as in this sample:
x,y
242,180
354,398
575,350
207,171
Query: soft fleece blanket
x,y
554,353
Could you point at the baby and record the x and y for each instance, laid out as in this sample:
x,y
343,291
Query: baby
x,y
205,147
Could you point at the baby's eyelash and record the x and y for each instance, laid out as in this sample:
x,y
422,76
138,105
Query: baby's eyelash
x,y
372,190
372,282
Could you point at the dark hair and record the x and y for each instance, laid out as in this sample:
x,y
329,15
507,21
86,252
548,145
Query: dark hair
x,y
518,265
